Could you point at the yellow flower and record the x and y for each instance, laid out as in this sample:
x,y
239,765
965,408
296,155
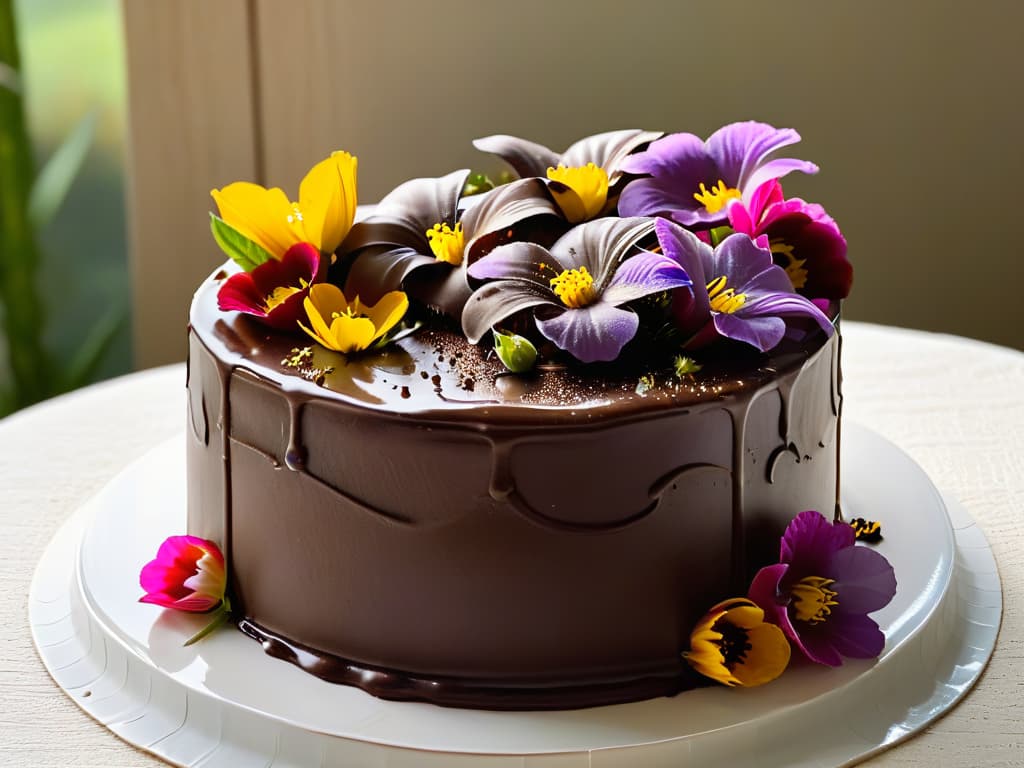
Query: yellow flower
x,y
323,215
350,326
581,192
733,645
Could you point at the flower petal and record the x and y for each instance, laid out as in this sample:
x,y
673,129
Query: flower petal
x,y
380,269
495,301
501,210
856,636
387,312
260,214
527,158
601,245
597,332
740,259
644,274
764,333
518,261
327,199
865,580
776,169
607,150
787,305
810,542
740,148
767,658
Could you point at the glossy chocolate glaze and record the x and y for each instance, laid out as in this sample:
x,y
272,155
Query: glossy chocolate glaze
x,y
422,525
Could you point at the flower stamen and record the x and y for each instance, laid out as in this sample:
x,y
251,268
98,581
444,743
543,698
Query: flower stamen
x,y
587,192
794,267
813,600
446,243
724,300
575,287
716,198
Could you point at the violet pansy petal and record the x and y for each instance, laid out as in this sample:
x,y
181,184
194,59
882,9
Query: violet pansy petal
x,y
518,261
810,540
527,158
644,274
818,644
740,259
495,301
787,305
776,169
770,280
765,590
665,154
856,636
739,148
764,333
591,334
865,580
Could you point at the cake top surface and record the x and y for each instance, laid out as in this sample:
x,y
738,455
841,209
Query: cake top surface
x,y
436,371
632,270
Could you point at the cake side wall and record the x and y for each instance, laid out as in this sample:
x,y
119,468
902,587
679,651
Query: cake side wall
x,y
559,559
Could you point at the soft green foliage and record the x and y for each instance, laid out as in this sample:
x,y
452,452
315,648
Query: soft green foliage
x,y
685,366
27,201
243,251
477,183
54,180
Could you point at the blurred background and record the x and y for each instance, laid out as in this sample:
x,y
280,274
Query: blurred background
x,y
913,110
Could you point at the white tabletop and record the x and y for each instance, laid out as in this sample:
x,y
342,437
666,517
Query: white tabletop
x,y
955,405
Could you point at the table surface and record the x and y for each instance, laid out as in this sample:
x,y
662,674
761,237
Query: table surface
x,y
955,405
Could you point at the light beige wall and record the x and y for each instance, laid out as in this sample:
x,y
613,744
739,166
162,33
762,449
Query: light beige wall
x,y
913,110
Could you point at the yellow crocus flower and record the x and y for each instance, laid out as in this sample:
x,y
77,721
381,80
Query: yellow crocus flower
x,y
350,326
323,215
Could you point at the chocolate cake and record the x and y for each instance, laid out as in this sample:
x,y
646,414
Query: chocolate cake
x,y
502,446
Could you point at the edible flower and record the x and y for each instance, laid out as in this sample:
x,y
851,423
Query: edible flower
x,y
738,292
274,291
582,179
823,588
733,645
188,575
419,239
576,289
351,326
323,215
693,182
804,240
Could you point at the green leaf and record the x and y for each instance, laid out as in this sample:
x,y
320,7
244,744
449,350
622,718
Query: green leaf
x,y
243,251
54,180
9,78
91,352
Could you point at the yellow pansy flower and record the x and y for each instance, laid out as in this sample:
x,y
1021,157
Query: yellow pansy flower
x,y
350,326
734,645
323,215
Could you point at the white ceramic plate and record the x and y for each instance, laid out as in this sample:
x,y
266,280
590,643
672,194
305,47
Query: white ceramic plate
x,y
223,702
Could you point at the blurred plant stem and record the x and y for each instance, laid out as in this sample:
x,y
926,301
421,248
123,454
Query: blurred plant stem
x,y
20,304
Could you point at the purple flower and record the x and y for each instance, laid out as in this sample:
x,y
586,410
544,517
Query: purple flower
x,y
576,289
693,182
823,589
738,292
419,238
804,240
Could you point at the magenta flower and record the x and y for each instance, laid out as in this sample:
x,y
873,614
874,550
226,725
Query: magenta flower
x,y
823,589
738,292
187,575
577,289
693,182
804,240
274,291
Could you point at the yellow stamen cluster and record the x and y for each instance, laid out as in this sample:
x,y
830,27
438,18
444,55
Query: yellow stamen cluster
x,y
716,198
584,191
724,300
279,296
447,244
813,600
575,287
794,267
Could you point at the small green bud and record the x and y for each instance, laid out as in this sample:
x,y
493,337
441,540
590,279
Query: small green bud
x,y
515,351
718,234
477,183
685,366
